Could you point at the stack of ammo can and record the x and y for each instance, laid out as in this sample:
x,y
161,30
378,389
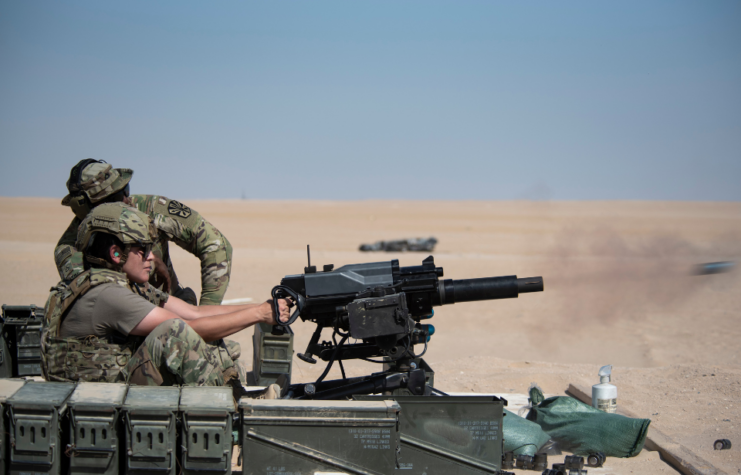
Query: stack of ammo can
x,y
106,428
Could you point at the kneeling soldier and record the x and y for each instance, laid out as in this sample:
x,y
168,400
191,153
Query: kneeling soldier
x,y
94,182
108,324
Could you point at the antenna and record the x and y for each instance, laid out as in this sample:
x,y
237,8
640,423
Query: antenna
x,y
309,269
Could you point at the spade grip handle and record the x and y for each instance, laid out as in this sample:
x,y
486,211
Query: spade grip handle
x,y
282,292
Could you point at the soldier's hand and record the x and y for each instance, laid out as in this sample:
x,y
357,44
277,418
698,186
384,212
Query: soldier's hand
x,y
161,277
284,308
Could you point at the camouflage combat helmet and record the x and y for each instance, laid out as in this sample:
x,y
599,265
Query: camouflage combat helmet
x,y
92,181
129,225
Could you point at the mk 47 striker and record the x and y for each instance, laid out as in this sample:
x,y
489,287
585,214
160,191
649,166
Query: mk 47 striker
x,y
381,305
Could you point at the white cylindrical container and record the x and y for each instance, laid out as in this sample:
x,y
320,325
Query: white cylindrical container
x,y
604,394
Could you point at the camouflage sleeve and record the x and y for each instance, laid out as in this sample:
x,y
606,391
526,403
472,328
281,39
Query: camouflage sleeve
x,y
67,258
187,228
155,296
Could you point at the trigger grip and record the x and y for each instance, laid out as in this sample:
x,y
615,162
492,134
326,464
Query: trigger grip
x,y
281,292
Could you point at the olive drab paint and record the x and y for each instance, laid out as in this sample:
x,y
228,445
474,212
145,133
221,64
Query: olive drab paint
x,y
272,356
150,416
95,428
37,428
206,438
453,434
8,387
303,436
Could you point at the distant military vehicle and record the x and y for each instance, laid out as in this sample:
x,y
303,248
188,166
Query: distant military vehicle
x,y
402,245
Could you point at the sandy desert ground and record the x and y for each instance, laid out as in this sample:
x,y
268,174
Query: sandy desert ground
x,y
618,282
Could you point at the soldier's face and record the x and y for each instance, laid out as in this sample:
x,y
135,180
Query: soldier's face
x,y
138,264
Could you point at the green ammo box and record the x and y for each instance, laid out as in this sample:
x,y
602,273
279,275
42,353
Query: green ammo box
x,y
150,415
449,434
206,430
8,387
307,437
22,328
272,355
37,414
94,428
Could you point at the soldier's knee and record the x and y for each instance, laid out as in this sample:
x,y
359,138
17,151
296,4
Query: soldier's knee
x,y
233,348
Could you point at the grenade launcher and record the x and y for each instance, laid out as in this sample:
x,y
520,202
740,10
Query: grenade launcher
x,y
381,306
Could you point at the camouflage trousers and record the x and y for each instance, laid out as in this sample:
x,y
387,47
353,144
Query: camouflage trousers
x,y
174,354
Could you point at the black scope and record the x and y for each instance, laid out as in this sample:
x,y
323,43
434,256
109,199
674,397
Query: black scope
x,y
488,288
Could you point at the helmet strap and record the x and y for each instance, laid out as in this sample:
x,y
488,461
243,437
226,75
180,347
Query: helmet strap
x,y
125,254
80,205
103,263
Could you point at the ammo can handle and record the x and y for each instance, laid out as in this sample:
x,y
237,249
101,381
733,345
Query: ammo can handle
x,y
281,292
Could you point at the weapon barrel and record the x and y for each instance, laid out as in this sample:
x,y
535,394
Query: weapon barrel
x,y
488,288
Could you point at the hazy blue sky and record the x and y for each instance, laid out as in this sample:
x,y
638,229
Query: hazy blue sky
x,y
357,100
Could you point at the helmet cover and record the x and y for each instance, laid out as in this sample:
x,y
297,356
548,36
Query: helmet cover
x,y
129,225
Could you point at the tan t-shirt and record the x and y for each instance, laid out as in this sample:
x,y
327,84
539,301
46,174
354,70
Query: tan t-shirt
x,y
104,310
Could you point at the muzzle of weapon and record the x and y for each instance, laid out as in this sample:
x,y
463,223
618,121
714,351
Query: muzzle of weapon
x,y
487,288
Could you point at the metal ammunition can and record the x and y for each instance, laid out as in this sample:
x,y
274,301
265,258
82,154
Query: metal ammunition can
x,y
454,434
94,427
22,328
300,436
8,387
150,420
38,417
272,355
206,429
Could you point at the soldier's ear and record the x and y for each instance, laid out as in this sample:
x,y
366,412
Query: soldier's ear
x,y
115,254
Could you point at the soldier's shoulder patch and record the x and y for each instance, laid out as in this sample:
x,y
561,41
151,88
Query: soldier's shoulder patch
x,y
177,208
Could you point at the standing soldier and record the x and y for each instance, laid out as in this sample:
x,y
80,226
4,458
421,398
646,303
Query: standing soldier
x,y
94,182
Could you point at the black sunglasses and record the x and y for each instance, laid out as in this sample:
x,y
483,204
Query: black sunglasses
x,y
146,248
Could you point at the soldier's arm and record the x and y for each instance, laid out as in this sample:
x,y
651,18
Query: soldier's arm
x,y
187,311
217,326
66,257
188,229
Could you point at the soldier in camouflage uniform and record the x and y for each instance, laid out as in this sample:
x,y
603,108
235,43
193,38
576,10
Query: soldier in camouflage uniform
x,y
137,334
93,182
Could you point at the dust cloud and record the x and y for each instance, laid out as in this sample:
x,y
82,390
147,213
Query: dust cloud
x,y
603,276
